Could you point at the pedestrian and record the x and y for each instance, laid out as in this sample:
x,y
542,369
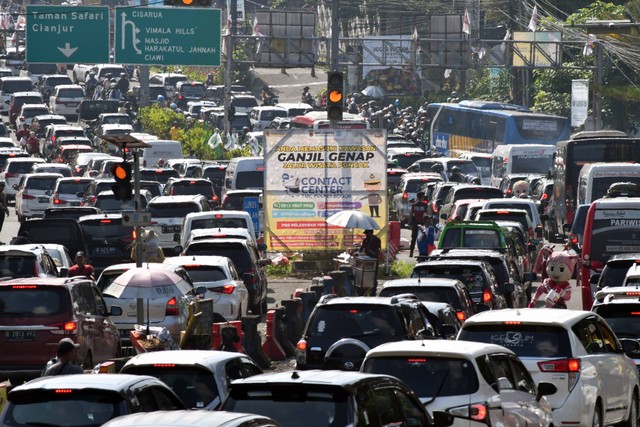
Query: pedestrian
x,y
4,204
416,218
174,132
371,247
81,268
63,363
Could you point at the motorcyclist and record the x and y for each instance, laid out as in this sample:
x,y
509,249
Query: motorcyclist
x,y
306,97
209,81
123,83
267,95
114,92
456,175
91,84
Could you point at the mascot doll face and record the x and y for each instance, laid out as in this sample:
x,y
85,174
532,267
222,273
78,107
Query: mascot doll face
x,y
521,189
560,267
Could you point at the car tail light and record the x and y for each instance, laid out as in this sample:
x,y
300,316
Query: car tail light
x,y
22,117
475,411
10,175
63,391
171,191
57,201
570,366
27,196
226,289
59,101
508,192
405,196
539,231
66,328
172,307
573,238
164,365
214,197
435,207
461,316
486,296
531,235
545,196
105,221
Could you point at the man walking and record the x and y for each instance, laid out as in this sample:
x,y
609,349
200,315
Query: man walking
x,y
64,363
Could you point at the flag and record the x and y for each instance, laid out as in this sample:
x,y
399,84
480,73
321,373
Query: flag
x,y
447,73
227,32
588,45
507,37
533,22
257,34
414,36
466,23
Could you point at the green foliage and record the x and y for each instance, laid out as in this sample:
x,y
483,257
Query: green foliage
x,y
552,90
490,85
598,10
157,121
397,269
278,270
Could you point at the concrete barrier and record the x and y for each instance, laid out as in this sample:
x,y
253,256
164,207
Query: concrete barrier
x,y
271,346
252,342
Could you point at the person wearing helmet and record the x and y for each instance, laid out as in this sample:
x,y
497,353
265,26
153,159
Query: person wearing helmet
x,y
267,95
209,81
306,96
173,105
160,101
123,83
456,175
352,108
114,92
161,163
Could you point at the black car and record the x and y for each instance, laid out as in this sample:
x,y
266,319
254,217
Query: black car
x,y
74,212
341,330
63,231
110,239
188,91
615,270
331,398
161,175
476,275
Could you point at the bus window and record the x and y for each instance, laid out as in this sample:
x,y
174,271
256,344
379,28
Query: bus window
x,y
498,167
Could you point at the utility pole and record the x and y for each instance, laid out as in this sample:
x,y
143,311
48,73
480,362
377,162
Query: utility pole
x,y
231,27
143,75
335,33
597,81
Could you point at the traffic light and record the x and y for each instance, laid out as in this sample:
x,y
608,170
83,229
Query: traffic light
x,y
122,189
196,3
335,96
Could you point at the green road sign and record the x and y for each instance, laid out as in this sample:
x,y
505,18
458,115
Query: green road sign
x,y
67,34
167,36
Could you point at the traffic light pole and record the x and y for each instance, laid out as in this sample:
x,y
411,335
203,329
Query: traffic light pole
x,y
231,31
136,196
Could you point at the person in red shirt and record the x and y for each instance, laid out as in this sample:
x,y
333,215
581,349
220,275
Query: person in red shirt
x,y
80,268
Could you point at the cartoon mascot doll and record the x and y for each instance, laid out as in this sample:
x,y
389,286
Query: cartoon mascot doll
x,y
559,270
521,189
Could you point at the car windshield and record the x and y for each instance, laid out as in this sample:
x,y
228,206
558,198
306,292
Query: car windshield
x,y
160,175
106,228
20,167
427,293
193,90
65,171
467,167
196,387
504,216
34,302
524,340
116,120
471,276
69,213
17,266
430,376
623,318
110,204
13,86
172,210
73,408
319,407
406,160
478,193
35,111
214,174
205,273
235,252
43,184
507,205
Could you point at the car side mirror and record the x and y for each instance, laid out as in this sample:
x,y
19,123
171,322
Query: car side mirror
x,y
494,402
15,186
177,249
546,389
115,310
566,228
199,291
262,247
443,419
48,192
508,287
63,272
248,279
264,262
448,331
594,279
630,347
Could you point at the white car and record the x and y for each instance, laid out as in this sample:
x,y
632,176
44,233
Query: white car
x,y
28,112
576,351
33,194
14,169
69,192
167,216
8,142
224,285
60,256
61,168
481,384
214,219
66,99
515,203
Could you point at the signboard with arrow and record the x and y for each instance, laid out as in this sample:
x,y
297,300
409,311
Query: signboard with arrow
x,y
67,34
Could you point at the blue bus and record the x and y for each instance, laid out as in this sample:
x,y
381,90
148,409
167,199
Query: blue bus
x,y
481,126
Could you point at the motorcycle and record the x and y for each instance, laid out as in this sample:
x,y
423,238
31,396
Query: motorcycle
x,y
271,101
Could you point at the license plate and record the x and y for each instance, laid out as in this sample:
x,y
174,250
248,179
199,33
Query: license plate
x,y
104,251
43,200
20,335
71,104
171,228
75,203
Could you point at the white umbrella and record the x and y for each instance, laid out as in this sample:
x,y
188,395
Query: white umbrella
x,y
353,219
374,92
148,284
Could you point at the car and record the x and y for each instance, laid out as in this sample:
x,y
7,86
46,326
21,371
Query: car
x,y
244,103
82,161
18,99
63,231
15,168
56,168
433,289
220,233
445,165
69,212
576,232
261,117
216,219
525,204
541,194
200,378
404,157
393,178
8,142
110,239
477,276
192,419
340,330
48,82
168,312
105,167
466,191
193,108
49,145
168,81
597,383
110,130
481,384
65,99
615,270
161,175
153,187
224,286
29,260
86,400
28,112
35,71
458,210
44,309
81,71
40,123
94,165
96,187
507,273
506,184
60,256
331,398
13,84
192,187
406,193
246,257
69,191
472,234
167,215
106,201
187,91
436,197
33,194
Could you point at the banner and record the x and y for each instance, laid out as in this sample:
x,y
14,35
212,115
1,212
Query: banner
x,y
310,176
579,102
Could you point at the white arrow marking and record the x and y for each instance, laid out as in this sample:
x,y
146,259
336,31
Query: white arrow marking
x,y
67,50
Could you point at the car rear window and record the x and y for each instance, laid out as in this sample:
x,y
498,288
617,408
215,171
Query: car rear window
x,y
71,93
20,167
249,179
406,160
12,86
32,302
523,340
192,189
72,408
205,273
614,272
160,175
57,81
106,228
194,386
623,318
235,252
172,210
116,120
64,171
471,276
69,132
196,90
478,193
44,184
331,323
114,71
244,102
73,187
29,100
472,238
109,203
35,111
428,377
235,201
445,294
504,216
213,174
218,223
69,213
523,206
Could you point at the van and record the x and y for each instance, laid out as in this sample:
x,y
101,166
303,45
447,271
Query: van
x,y
161,149
261,117
528,159
596,178
482,162
11,85
244,173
